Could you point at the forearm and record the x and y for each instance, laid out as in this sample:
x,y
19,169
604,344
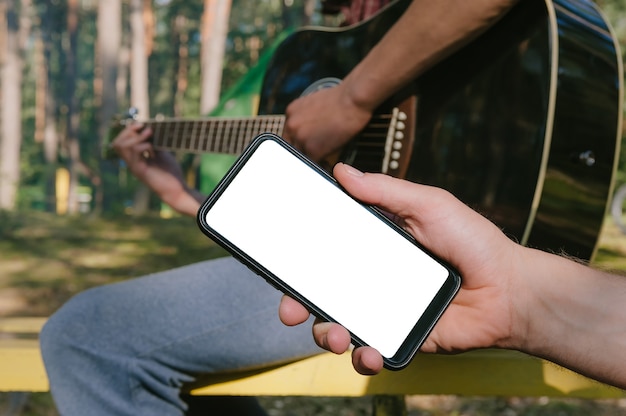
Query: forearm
x,y
185,201
576,317
426,33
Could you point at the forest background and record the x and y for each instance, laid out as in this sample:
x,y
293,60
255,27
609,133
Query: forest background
x,y
69,66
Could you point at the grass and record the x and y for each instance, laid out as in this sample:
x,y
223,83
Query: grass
x,y
45,259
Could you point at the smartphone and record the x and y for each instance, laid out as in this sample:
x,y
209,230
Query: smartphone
x,y
290,222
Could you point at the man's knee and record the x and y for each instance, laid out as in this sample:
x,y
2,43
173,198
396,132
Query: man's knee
x,y
72,323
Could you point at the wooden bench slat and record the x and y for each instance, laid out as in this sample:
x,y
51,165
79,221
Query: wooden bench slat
x,y
480,373
21,366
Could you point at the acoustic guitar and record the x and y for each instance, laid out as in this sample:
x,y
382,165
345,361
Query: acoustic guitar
x,y
522,124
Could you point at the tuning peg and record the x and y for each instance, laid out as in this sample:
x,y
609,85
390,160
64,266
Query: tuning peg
x,y
132,113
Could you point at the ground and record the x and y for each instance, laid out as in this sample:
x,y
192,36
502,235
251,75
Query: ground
x,y
46,259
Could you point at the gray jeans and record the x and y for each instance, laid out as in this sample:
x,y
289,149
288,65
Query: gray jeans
x,y
128,348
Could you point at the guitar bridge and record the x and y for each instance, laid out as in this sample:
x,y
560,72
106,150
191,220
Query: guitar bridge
x,y
394,142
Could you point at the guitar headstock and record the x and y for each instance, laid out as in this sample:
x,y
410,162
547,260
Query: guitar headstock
x,y
118,123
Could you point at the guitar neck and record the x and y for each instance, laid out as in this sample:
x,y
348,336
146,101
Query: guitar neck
x,y
212,135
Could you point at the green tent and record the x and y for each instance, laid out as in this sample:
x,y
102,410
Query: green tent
x,y
239,101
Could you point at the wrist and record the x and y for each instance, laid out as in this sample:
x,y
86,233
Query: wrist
x,y
535,281
561,307
183,201
518,297
363,91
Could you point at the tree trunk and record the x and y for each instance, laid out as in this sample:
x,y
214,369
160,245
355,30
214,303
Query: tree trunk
x,y
180,30
11,100
139,84
41,80
72,116
138,61
309,10
214,30
46,104
107,63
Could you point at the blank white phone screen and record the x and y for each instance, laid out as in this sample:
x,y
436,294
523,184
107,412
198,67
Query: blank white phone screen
x,y
327,247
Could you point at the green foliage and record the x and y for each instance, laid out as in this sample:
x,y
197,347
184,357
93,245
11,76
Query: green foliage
x,y
615,11
262,20
254,26
79,252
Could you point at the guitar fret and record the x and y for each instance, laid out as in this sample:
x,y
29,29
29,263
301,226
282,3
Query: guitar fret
x,y
194,138
268,125
225,135
223,141
227,129
219,127
188,135
272,125
208,144
258,126
182,135
250,133
185,135
166,137
254,127
202,139
247,134
155,127
236,138
240,136
171,137
275,126
279,122
178,137
175,135
217,135
160,133
155,132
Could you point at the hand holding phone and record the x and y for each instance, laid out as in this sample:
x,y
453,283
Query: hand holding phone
x,y
290,222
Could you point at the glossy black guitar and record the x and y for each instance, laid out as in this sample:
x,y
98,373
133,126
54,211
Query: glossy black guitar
x,y
522,124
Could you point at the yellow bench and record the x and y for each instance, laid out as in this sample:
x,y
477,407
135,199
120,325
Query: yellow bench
x,y
21,366
478,373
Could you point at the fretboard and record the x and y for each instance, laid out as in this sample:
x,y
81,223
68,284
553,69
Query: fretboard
x,y
212,135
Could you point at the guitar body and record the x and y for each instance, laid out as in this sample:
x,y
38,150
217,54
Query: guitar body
x,y
522,124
